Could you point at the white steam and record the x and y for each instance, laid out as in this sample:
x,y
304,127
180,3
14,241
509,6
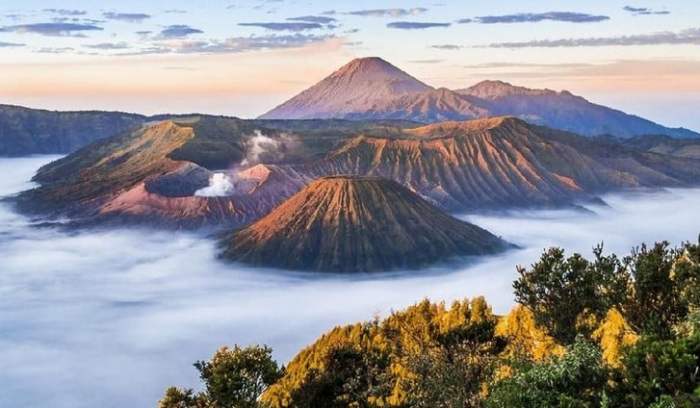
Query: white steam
x,y
220,185
263,148
113,317
258,145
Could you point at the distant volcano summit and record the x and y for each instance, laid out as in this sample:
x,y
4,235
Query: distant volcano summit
x,y
356,224
357,86
373,89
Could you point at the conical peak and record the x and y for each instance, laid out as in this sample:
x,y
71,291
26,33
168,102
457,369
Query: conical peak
x,y
368,64
375,69
356,224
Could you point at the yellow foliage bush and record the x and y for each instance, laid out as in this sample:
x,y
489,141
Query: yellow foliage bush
x,y
525,338
614,334
404,333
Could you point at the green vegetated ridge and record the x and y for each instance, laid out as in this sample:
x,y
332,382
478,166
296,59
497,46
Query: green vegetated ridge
x,y
586,332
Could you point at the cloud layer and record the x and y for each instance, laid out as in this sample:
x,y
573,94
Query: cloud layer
x,y
126,17
52,29
66,12
388,12
300,26
314,19
178,31
689,36
449,47
9,44
563,16
645,11
415,25
112,317
232,45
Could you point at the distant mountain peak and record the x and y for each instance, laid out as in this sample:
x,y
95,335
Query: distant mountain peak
x,y
368,65
358,85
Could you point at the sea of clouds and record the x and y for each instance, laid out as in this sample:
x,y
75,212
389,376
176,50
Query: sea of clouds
x,y
111,318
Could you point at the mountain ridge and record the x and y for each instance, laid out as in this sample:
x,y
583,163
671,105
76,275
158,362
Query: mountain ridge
x,y
152,175
560,110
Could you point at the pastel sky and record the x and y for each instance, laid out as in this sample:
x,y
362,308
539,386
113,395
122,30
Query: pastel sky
x,y
243,57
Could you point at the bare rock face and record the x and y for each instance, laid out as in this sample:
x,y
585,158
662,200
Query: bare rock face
x,y
502,162
151,175
356,224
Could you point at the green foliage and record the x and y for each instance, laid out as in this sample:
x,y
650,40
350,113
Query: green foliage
x,y
351,378
655,303
233,378
559,290
218,143
656,370
182,398
631,329
574,380
654,288
451,376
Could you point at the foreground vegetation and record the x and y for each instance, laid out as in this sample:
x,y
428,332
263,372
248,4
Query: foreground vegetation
x,y
600,332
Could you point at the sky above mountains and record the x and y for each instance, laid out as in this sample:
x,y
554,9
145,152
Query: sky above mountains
x,y
244,57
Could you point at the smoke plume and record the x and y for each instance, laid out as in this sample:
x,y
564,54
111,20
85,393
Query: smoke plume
x,y
220,185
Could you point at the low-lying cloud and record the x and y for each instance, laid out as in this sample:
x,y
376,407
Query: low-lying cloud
x,y
112,317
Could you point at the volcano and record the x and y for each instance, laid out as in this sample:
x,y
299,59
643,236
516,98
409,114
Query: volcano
x,y
356,87
374,89
356,224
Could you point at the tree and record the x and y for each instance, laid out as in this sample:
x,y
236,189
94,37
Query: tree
x,y
657,370
181,398
384,362
614,335
655,302
235,378
687,271
451,377
526,339
351,378
559,290
575,380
